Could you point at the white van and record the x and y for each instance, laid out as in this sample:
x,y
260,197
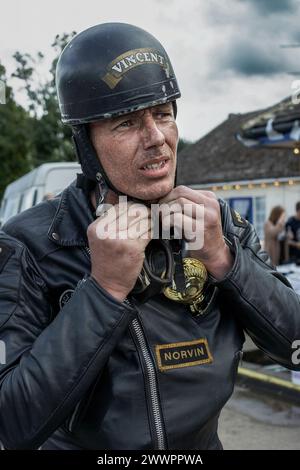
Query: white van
x,y
30,189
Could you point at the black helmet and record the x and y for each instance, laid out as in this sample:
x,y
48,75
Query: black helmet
x,y
105,71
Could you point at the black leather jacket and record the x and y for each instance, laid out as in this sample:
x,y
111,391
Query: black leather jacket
x,y
84,371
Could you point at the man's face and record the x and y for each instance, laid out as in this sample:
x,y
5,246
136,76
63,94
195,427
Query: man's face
x,y
138,151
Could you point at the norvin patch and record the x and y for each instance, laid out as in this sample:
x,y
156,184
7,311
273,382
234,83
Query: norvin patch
x,y
187,354
131,59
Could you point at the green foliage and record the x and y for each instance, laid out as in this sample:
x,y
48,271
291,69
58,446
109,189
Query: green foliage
x,y
14,142
35,135
50,138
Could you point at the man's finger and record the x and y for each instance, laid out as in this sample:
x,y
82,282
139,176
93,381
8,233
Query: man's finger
x,y
183,192
183,205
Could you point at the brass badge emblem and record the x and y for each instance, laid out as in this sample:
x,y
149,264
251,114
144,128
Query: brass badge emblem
x,y
131,59
237,219
196,276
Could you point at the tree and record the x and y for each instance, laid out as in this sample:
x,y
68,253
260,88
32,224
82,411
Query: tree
x,y
50,139
15,147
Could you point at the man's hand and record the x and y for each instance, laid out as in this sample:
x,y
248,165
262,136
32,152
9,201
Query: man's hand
x,y
214,254
118,258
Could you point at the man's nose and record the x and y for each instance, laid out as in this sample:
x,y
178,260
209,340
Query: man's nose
x,y
151,133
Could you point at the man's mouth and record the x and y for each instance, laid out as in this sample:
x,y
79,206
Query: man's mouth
x,y
154,166
157,167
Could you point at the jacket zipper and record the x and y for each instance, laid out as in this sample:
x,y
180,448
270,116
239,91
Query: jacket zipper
x,y
151,380
152,385
88,251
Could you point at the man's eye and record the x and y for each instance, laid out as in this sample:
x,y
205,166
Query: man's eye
x,y
127,123
164,115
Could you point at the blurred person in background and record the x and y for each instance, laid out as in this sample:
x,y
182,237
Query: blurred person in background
x,y
272,229
293,234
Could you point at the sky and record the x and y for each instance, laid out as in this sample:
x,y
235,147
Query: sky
x,y
227,54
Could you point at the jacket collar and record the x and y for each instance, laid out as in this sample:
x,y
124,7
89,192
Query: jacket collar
x,y
72,218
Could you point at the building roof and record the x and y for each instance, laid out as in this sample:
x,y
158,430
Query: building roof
x,y
220,157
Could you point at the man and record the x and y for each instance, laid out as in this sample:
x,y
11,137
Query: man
x,y
293,231
92,364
